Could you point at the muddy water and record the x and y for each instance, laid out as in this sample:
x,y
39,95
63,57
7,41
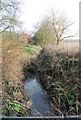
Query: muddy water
x,y
40,100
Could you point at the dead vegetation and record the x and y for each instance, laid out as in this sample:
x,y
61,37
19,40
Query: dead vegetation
x,y
59,72
13,58
58,69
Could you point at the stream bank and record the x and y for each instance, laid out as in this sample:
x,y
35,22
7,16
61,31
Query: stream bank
x,y
15,55
58,73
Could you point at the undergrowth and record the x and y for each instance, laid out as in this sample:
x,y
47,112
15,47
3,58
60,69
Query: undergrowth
x,y
60,74
14,102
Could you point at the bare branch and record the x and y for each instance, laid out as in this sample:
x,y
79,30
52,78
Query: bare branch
x,y
69,36
55,29
4,29
9,14
63,29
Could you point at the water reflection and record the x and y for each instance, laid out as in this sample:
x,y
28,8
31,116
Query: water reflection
x,y
38,96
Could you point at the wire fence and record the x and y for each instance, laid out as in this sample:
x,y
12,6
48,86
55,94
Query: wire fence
x,y
78,117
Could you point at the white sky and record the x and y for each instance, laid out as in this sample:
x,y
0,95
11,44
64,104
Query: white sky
x,y
34,11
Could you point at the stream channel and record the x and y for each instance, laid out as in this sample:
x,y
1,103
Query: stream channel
x,y
40,101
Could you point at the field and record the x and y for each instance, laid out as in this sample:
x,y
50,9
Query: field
x,y
68,46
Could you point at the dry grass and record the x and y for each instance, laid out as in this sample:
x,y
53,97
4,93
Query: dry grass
x,y
13,58
59,72
70,47
13,55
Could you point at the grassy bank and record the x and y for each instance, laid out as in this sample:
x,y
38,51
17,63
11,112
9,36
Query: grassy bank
x,y
14,57
32,51
58,69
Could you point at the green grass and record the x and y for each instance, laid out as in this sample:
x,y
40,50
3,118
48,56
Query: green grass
x,y
32,50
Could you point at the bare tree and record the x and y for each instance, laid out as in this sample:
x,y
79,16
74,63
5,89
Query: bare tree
x,y
9,14
53,29
60,25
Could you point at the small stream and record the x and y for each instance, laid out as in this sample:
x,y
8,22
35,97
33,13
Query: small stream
x,y
37,94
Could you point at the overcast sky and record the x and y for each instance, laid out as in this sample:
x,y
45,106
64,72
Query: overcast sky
x,y
34,11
